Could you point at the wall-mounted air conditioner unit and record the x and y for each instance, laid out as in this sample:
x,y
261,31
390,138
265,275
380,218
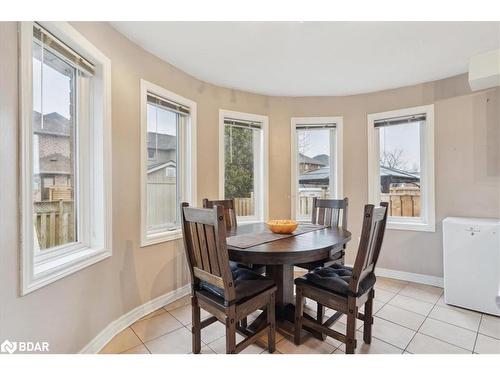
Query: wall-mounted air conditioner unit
x,y
484,70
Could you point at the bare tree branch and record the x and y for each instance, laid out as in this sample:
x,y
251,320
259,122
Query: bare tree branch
x,y
394,159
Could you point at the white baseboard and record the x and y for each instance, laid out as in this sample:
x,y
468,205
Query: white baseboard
x,y
115,327
409,276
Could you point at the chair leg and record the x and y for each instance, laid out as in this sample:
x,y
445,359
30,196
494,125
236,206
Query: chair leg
x,y
271,320
368,321
196,326
299,312
244,323
320,313
352,313
231,331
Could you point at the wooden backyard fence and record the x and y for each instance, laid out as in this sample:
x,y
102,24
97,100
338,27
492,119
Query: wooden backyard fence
x,y
403,201
244,206
306,202
53,223
161,200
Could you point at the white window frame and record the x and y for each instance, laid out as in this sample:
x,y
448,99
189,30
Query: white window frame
x,y
336,151
94,185
261,181
427,220
186,163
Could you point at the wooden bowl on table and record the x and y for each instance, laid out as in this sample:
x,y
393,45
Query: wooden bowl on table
x,y
282,226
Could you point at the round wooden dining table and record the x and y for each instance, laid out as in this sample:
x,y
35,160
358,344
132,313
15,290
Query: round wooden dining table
x,y
281,255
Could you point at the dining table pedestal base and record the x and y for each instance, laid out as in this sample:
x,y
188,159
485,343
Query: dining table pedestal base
x,y
283,276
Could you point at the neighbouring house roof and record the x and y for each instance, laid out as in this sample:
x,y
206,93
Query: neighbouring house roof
x,y
393,172
160,165
303,159
53,124
322,158
55,164
165,141
318,176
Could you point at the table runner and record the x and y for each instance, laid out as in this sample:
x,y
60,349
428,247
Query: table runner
x,y
244,241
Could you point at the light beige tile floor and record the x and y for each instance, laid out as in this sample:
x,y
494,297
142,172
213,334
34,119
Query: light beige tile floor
x,y
409,319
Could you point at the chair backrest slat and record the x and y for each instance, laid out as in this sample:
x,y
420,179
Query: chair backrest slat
x,y
229,210
197,259
205,257
327,212
204,233
212,250
372,235
321,216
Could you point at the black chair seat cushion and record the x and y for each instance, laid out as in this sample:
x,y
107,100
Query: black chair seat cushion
x,y
339,255
258,268
247,283
235,265
336,279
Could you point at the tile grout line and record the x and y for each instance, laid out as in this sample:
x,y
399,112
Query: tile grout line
x,y
387,303
417,331
455,325
442,321
477,334
135,346
362,325
426,317
435,338
135,333
143,343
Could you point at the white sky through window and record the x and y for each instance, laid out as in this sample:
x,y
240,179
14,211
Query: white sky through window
x,y
54,82
316,142
167,121
405,137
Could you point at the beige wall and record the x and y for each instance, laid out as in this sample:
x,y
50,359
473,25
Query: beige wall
x,y
73,310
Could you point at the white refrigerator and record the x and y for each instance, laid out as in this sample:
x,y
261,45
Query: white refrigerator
x,y
471,248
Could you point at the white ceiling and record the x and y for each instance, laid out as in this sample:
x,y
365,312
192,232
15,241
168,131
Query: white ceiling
x,y
315,58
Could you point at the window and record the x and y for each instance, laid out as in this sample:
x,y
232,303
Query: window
x,y
167,130
401,166
243,149
316,162
65,134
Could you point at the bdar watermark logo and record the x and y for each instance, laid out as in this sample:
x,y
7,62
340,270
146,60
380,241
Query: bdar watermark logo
x,y
8,347
12,347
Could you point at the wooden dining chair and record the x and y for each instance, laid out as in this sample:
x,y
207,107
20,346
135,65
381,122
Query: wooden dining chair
x,y
231,223
343,288
330,213
229,295
229,210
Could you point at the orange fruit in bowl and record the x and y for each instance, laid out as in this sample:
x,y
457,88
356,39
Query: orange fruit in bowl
x,y
282,226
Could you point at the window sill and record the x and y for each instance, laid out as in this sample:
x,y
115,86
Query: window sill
x,y
161,237
253,221
303,220
48,271
411,226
